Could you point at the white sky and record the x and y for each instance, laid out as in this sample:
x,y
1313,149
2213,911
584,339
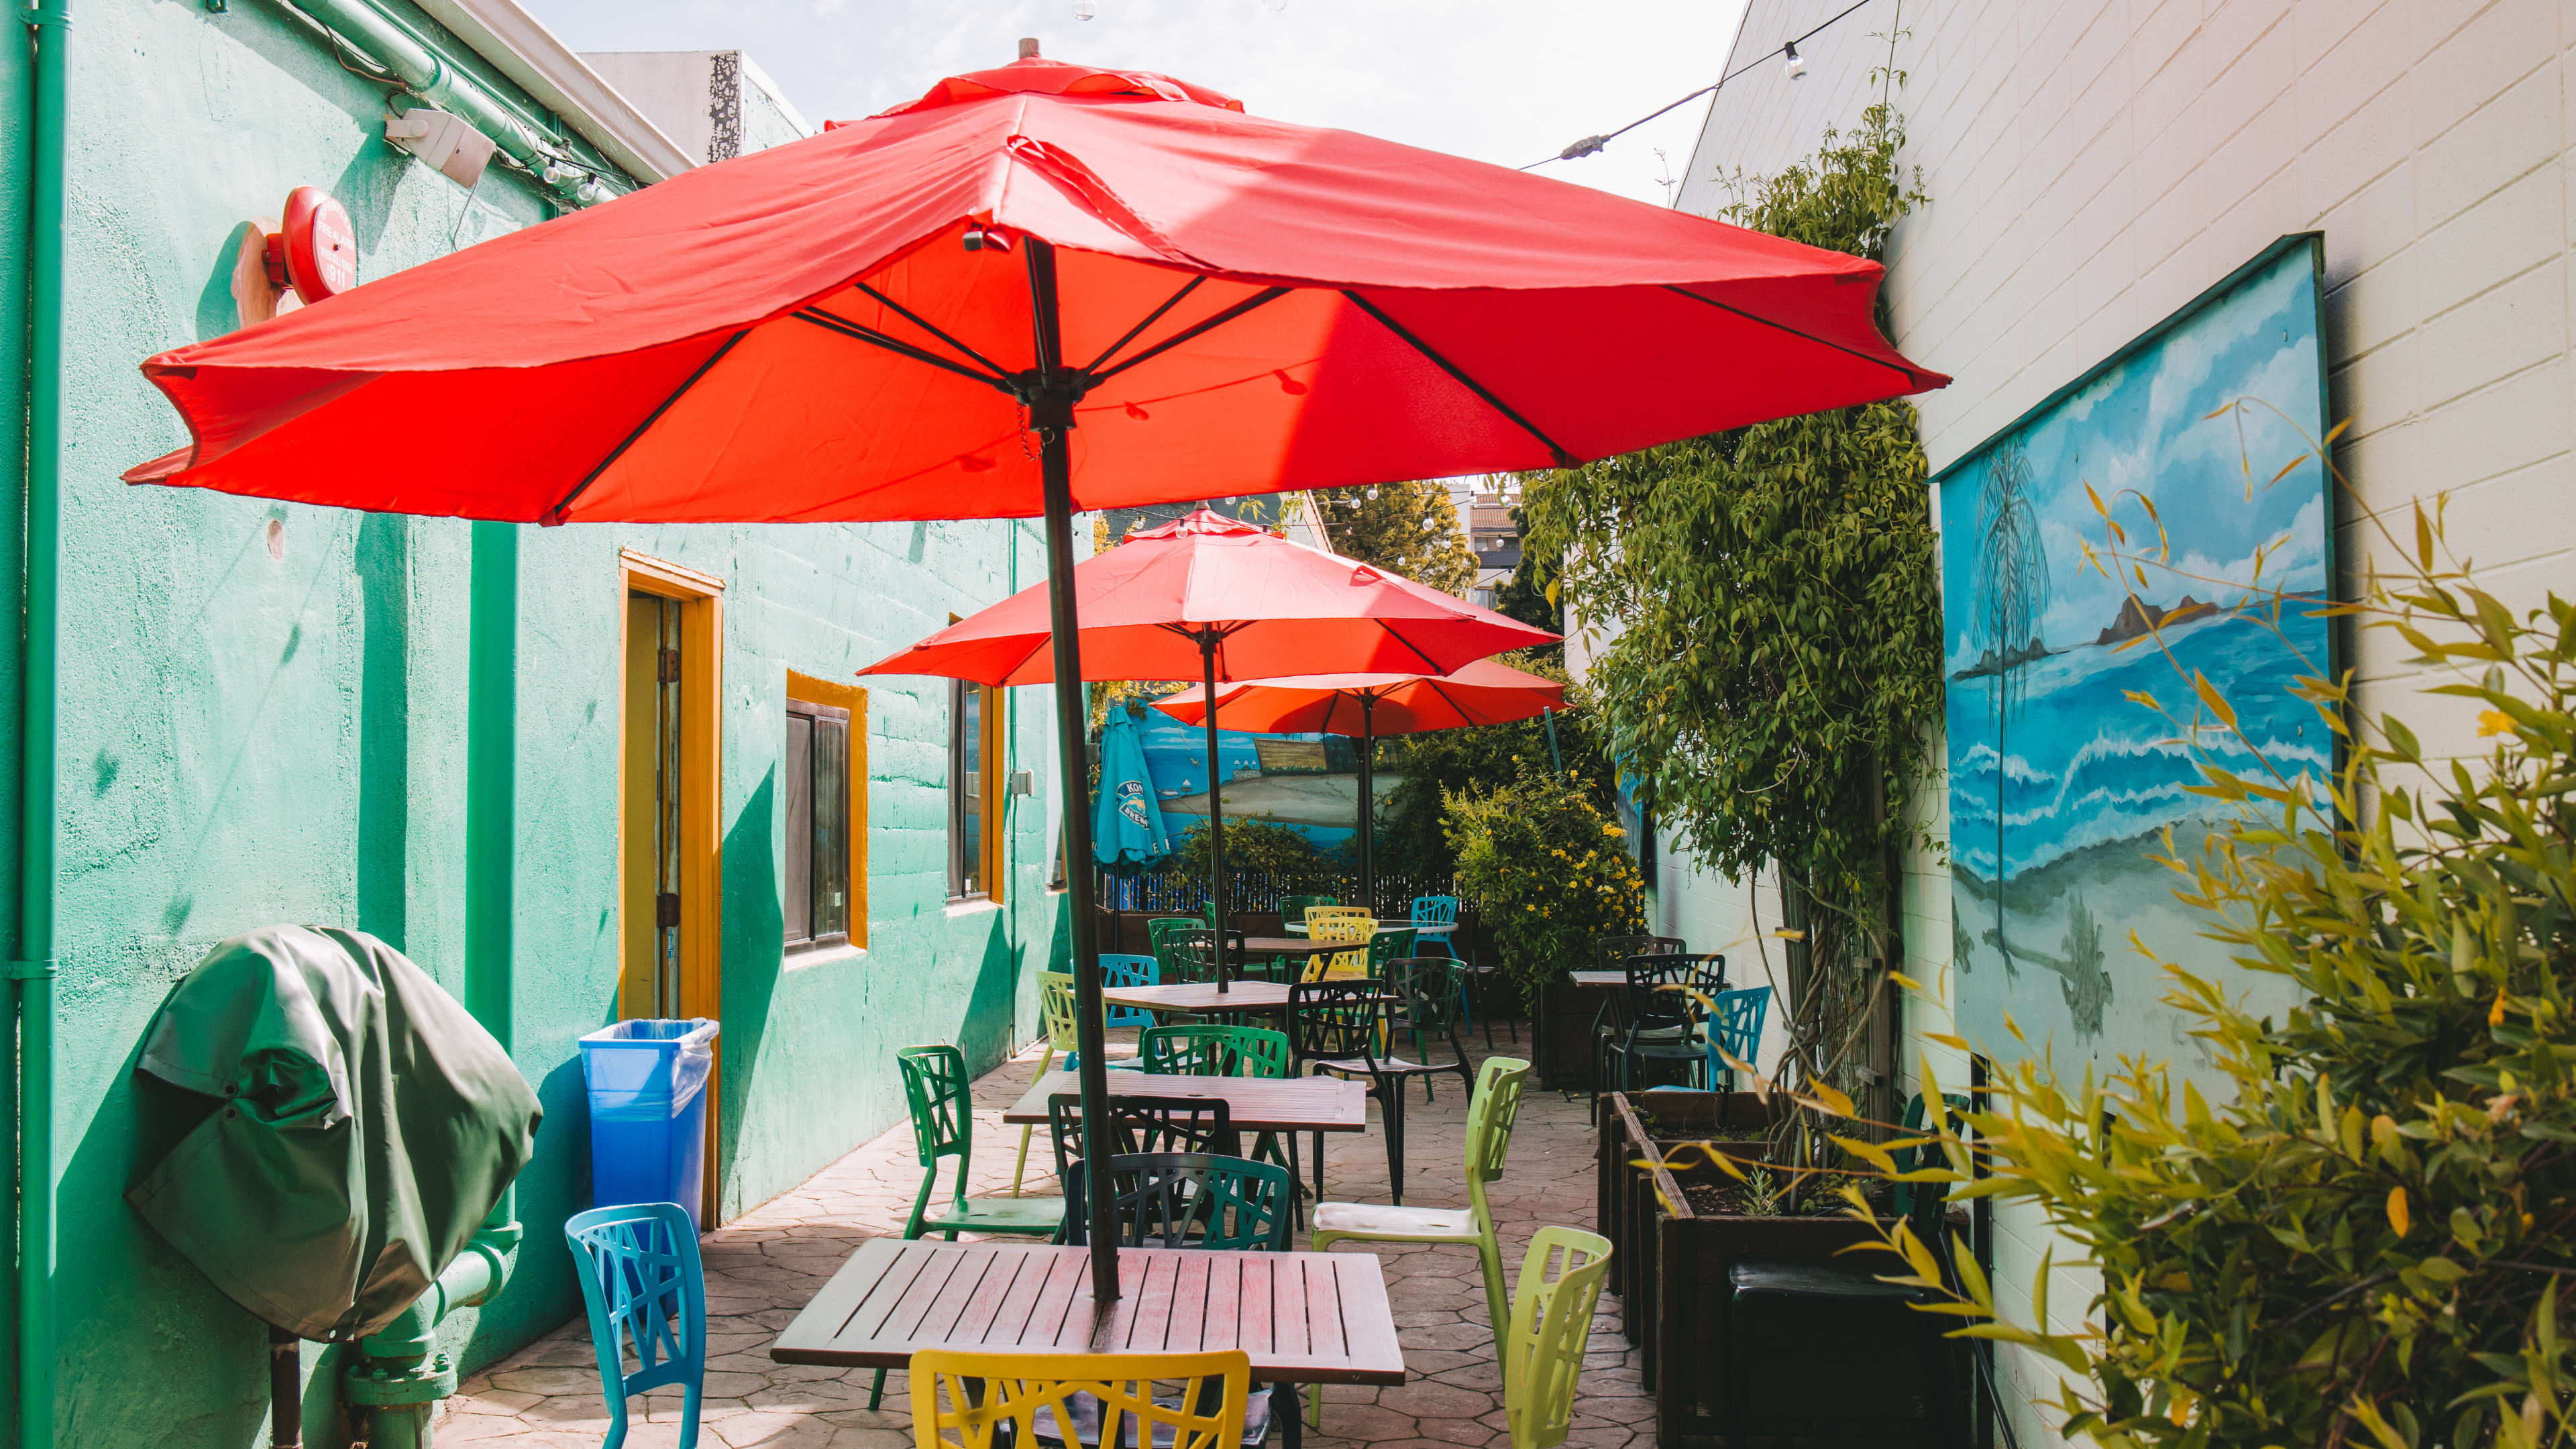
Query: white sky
x,y
1506,81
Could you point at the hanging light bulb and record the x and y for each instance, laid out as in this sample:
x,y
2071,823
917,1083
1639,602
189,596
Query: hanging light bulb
x,y
1085,9
1797,63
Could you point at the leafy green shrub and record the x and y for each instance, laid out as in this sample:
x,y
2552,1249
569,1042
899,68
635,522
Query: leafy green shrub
x,y
1548,869
1282,852
2367,1242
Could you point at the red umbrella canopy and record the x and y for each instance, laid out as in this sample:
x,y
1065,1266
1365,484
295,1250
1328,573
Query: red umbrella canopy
x,y
1485,692
1275,606
849,327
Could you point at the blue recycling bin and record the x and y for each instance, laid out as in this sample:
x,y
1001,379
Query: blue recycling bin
x,y
648,1111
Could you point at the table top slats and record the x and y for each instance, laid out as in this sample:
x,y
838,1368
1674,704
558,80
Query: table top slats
x,y
1253,1104
1367,1319
1299,945
1257,1276
1201,998
1300,1317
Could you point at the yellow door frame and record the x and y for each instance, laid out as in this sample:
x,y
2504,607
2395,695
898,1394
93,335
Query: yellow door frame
x,y
701,597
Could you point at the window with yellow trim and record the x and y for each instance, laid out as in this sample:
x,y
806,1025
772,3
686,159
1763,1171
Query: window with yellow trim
x,y
976,765
823,795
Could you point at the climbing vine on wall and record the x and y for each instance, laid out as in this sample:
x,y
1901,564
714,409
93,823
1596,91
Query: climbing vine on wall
x,y
1777,589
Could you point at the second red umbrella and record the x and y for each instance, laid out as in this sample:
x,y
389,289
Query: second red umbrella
x,y
1215,597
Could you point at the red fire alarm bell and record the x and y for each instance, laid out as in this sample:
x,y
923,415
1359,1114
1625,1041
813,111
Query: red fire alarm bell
x,y
317,253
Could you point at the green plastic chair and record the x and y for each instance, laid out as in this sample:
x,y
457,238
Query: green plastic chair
x,y
1551,1326
1159,927
1391,943
646,1295
935,1089
1214,1051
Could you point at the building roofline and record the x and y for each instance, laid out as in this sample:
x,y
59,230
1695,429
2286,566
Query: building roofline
x,y
522,48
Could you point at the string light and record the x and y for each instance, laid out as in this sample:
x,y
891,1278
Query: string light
x,y
1591,145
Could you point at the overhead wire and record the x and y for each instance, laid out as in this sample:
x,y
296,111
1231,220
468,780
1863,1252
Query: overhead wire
x,y
1591,145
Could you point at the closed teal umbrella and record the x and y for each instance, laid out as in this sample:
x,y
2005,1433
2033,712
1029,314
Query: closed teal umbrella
x,y
1127,819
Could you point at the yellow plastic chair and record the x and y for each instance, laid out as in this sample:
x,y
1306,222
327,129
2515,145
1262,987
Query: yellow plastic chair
x,y
1339,923
1551,1327
1055,1009
1491,1110
960,1400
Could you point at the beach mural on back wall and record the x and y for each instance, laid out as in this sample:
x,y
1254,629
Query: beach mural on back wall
x,y
2060,783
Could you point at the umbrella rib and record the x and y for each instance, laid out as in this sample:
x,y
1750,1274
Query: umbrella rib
x,y
847,328
1151,318
1563,458
556,513
1792,331
1257,299
1448,699
924,324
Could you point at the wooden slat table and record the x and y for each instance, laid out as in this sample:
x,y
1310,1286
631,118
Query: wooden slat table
x,y
1297,946
1252,1104
1419,928
1597,978
1302,1318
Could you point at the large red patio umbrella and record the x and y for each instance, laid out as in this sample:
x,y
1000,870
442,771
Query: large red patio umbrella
x,y
1219,598
1038,288
1366,706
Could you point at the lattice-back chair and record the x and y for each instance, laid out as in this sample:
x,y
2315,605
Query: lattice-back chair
x,y
1190,956
646,1294
1658,1021
1735,1033
1551,1328
937,1091
977,1400
1331,1024
1609,951
1142,1124
1186,1200
1056,1010
1427,1008
1201,1050
1491,1111
1117,971
1339,923
1388,943
1293,908
1159,928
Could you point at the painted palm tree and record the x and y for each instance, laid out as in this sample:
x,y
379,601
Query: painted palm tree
x,y
2011,592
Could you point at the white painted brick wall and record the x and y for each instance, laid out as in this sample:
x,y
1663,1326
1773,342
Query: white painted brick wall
x,y
2095,164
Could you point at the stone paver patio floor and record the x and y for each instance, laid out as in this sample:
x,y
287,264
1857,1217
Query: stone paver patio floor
x,y
767,1264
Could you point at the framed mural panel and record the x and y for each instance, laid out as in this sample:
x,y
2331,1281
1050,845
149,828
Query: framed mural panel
x,y
2204,555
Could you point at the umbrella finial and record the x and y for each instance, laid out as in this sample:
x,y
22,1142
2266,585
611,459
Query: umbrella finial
x,y
1028,47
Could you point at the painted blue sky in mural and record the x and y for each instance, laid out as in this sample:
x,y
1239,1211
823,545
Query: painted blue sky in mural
x,y
1176,754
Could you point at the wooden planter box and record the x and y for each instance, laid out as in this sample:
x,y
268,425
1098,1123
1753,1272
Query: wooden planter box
x,y
1672,1265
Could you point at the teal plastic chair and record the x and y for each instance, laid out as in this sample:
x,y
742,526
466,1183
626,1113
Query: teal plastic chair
x,y
645,1289
1735,1028
1117,971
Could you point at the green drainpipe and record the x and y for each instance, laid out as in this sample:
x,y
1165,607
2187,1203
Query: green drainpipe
x,y
398,1376
49,33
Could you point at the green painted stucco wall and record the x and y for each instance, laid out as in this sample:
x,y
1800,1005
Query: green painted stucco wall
x,y
271,713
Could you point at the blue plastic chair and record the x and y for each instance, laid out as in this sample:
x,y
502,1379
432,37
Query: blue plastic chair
x,y
1117,971
1735,1027
1443,911
644,1287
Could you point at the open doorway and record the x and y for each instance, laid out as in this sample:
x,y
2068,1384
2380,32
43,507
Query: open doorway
x,y
669,858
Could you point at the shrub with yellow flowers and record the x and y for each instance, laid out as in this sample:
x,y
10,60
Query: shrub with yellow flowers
x,y
1549,870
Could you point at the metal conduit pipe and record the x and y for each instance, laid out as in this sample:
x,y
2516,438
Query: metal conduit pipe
x,y
32,972
365,25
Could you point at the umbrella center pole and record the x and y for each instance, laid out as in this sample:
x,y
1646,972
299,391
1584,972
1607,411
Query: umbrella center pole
x,y
1368,802
1051,413
1216,807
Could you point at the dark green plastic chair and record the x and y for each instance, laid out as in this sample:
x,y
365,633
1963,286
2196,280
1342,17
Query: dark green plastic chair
x,y
1214,1051
935,1089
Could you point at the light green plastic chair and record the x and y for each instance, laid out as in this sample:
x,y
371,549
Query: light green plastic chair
x,y
1551,1326
1491,1110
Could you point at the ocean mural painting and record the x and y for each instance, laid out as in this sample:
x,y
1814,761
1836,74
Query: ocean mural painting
x,y
2060,782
